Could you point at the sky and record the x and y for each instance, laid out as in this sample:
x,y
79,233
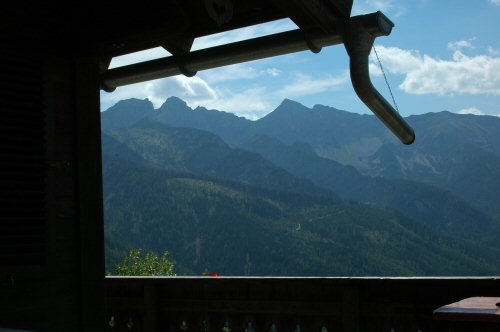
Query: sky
x,y
441,55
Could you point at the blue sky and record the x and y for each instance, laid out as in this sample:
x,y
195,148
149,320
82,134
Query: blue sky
x,y
441,55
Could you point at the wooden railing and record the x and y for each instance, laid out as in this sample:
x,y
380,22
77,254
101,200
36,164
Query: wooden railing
x,y
225,304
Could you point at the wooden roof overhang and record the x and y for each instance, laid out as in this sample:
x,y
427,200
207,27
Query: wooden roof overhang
x,y
107,30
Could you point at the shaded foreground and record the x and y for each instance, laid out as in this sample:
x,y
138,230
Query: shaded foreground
x,y
288,304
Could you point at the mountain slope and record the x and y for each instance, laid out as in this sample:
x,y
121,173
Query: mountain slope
x,y
199,152
431,205
458,152
237,230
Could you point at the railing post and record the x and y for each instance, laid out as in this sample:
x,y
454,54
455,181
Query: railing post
x,y
150,307
350,310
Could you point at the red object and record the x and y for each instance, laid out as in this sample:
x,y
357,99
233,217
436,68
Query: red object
x,y
214,274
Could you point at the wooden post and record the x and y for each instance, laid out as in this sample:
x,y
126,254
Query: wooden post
x,y
351,310
89,194
150,307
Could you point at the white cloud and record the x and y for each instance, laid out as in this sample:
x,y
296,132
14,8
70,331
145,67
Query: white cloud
x,y
390,7
190,89
273,72
495,2
471,110
396,60
307,85
229,73
424,74
493,51
374,67
380,4
476,111
461,44
235,72
251,103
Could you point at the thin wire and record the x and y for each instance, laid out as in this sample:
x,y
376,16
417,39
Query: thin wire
x,y
385,78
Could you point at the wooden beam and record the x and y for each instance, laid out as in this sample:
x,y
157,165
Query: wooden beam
x,y
329,15
89,194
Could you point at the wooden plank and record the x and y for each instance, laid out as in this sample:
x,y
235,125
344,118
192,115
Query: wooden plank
x,y
89,194
326,14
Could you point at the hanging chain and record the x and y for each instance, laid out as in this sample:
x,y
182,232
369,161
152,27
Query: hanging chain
x,y
385,78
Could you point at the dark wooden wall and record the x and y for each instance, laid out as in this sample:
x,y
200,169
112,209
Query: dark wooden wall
x,y
51,226
51,220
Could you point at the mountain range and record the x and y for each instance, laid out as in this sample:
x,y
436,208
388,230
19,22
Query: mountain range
x,y
437,199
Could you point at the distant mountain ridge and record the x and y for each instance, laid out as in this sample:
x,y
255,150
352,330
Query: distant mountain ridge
x,y
458,153
446,182
175,112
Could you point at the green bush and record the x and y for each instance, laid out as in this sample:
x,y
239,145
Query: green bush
x,y
135,264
